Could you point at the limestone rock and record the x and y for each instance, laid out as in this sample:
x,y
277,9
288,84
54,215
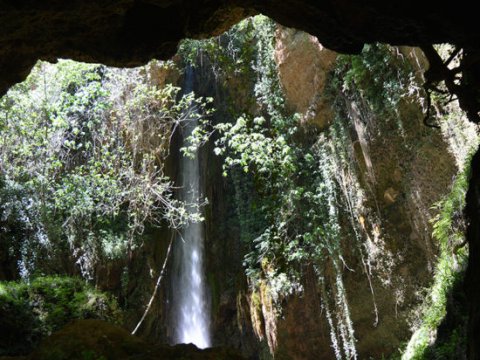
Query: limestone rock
x,y
303,64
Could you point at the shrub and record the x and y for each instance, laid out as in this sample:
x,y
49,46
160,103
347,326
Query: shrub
x,y
31,311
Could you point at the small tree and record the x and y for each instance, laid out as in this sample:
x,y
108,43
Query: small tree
x,y
87,146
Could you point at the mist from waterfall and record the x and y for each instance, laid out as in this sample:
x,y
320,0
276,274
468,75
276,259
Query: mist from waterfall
x,y
191,308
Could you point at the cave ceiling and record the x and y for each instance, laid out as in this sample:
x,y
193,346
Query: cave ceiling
x,y
129,33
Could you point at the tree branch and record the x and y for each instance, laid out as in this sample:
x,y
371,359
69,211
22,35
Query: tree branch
x,y
157,285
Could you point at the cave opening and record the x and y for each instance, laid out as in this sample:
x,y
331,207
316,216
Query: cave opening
x,y
339,103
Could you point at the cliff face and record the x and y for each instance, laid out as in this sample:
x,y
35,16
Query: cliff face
x,y
129,33
303,66
381,170
386,198
384,169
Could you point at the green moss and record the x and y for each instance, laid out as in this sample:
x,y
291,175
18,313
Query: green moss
x,y
425,343
381,77
31,311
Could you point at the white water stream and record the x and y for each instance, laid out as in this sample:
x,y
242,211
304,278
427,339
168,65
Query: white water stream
x,y
190,301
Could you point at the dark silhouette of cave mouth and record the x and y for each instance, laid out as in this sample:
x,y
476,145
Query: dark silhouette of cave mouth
x,y
130,32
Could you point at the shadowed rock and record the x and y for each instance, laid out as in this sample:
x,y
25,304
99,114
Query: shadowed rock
x,y
129,33
95,339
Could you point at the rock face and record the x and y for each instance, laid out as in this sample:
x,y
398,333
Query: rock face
x,y
128,32
94,339
386,184
303,64
385,194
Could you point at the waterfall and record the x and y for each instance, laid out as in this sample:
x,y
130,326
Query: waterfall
x,y
190,300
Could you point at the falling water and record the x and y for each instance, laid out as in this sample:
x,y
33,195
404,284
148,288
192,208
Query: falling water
x,y
190,301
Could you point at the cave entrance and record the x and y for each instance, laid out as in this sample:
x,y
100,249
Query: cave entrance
x,y
317,168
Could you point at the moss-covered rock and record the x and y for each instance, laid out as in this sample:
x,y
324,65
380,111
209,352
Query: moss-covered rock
x,y
31,311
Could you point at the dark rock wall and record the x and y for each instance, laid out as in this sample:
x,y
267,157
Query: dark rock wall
x,y
129,32
472,213
230,298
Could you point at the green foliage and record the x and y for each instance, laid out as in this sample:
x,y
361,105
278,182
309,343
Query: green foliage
x,y
382,80
228,54
264,147
380,74
448,229
82,151
31,311
19,237
294,185
287,224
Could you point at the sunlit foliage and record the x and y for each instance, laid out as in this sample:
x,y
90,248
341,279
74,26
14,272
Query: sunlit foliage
x,y
82,151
